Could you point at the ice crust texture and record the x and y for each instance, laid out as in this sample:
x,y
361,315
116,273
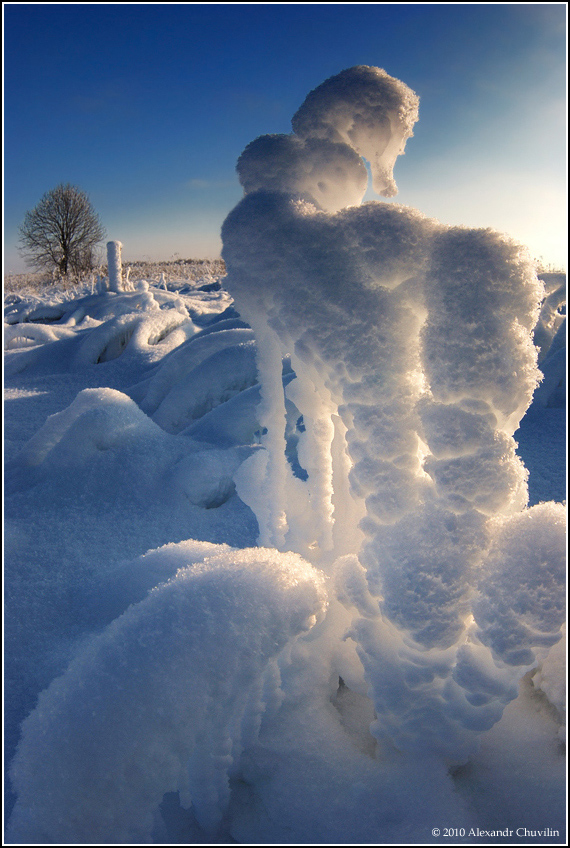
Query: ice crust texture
x,y
365,413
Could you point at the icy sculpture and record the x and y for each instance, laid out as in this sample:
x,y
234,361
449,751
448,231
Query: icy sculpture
x,y
412,348
328,173
369,111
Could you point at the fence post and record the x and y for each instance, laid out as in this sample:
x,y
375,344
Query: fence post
x,y
114,267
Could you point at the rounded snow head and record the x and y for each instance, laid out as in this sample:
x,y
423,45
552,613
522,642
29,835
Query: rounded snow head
x,y
329,174
367,109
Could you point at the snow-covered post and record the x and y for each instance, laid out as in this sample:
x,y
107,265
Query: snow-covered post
x,y
114,266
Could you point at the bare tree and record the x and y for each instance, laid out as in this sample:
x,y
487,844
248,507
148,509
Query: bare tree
x,y
61,233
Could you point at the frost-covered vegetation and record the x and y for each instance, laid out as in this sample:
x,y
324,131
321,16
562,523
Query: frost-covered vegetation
x,y
276,570
175,271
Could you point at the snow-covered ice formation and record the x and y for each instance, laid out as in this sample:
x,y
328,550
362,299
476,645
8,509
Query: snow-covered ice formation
x,y
414,359
357,415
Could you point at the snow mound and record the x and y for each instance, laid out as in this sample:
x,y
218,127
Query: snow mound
x,y
171,374
103,432
217,379
162,701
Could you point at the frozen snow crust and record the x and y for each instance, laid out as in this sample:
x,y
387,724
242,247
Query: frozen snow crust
x,y
271,576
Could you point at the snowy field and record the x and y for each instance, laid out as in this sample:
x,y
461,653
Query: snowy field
x,y
285,548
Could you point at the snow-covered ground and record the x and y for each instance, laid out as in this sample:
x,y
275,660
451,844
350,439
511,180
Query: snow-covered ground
x,y
274,572
126,418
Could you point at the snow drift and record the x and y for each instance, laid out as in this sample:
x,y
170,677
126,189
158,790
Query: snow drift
x,y
167,668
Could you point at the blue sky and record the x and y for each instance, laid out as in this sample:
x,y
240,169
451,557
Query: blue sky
x,y
146,107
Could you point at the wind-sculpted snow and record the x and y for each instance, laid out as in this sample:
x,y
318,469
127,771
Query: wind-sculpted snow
x,y
412,345
219,377
125,334
96,329
367,109
172,371
328,172
362,112
105,431
30,335
162,701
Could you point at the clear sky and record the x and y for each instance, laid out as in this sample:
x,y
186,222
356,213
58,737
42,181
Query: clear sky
x,y
146,107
